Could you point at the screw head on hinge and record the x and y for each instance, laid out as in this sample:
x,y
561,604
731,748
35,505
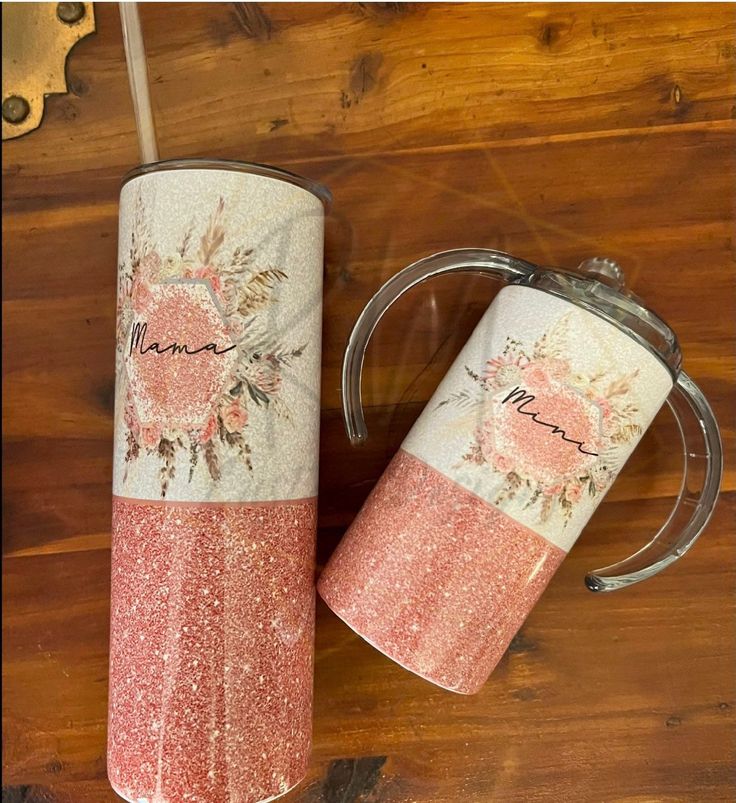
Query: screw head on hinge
x,y
70,12
15,109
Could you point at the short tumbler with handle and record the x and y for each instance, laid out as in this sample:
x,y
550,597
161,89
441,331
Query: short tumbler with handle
x,y
506,464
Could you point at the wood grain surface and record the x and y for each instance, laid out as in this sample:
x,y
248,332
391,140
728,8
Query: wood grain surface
x,y
553,131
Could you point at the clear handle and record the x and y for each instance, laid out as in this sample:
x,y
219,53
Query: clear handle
x,y
466,260
695,502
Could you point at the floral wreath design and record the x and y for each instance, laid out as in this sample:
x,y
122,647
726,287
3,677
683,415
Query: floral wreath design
x,y
544,368
244,292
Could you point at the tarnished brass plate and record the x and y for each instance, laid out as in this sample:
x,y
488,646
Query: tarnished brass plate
x,y
37,38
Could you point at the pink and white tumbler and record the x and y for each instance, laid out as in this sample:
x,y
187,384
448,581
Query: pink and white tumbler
x,y
215,482
508,461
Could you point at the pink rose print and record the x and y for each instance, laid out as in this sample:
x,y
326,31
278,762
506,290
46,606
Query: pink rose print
x,y
211,275
131,419
234,417
503,463
209,431
535,375
150,267
141,295
150,436
556,369
236,328
268,379
573,493
553,490
600,477
605,407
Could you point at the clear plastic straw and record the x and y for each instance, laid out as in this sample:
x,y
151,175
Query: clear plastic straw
x,y
135,56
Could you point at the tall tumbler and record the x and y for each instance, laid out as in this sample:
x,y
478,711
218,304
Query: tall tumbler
x,y
215,481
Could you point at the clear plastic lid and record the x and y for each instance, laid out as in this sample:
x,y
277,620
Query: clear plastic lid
x,y
598,286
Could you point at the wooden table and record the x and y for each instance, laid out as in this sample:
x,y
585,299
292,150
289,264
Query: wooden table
x,y
555,132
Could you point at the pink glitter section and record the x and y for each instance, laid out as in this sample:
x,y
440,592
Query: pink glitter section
x,y
211,649
435,577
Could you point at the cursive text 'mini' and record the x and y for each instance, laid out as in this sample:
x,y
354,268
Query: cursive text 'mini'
x,y
520,398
